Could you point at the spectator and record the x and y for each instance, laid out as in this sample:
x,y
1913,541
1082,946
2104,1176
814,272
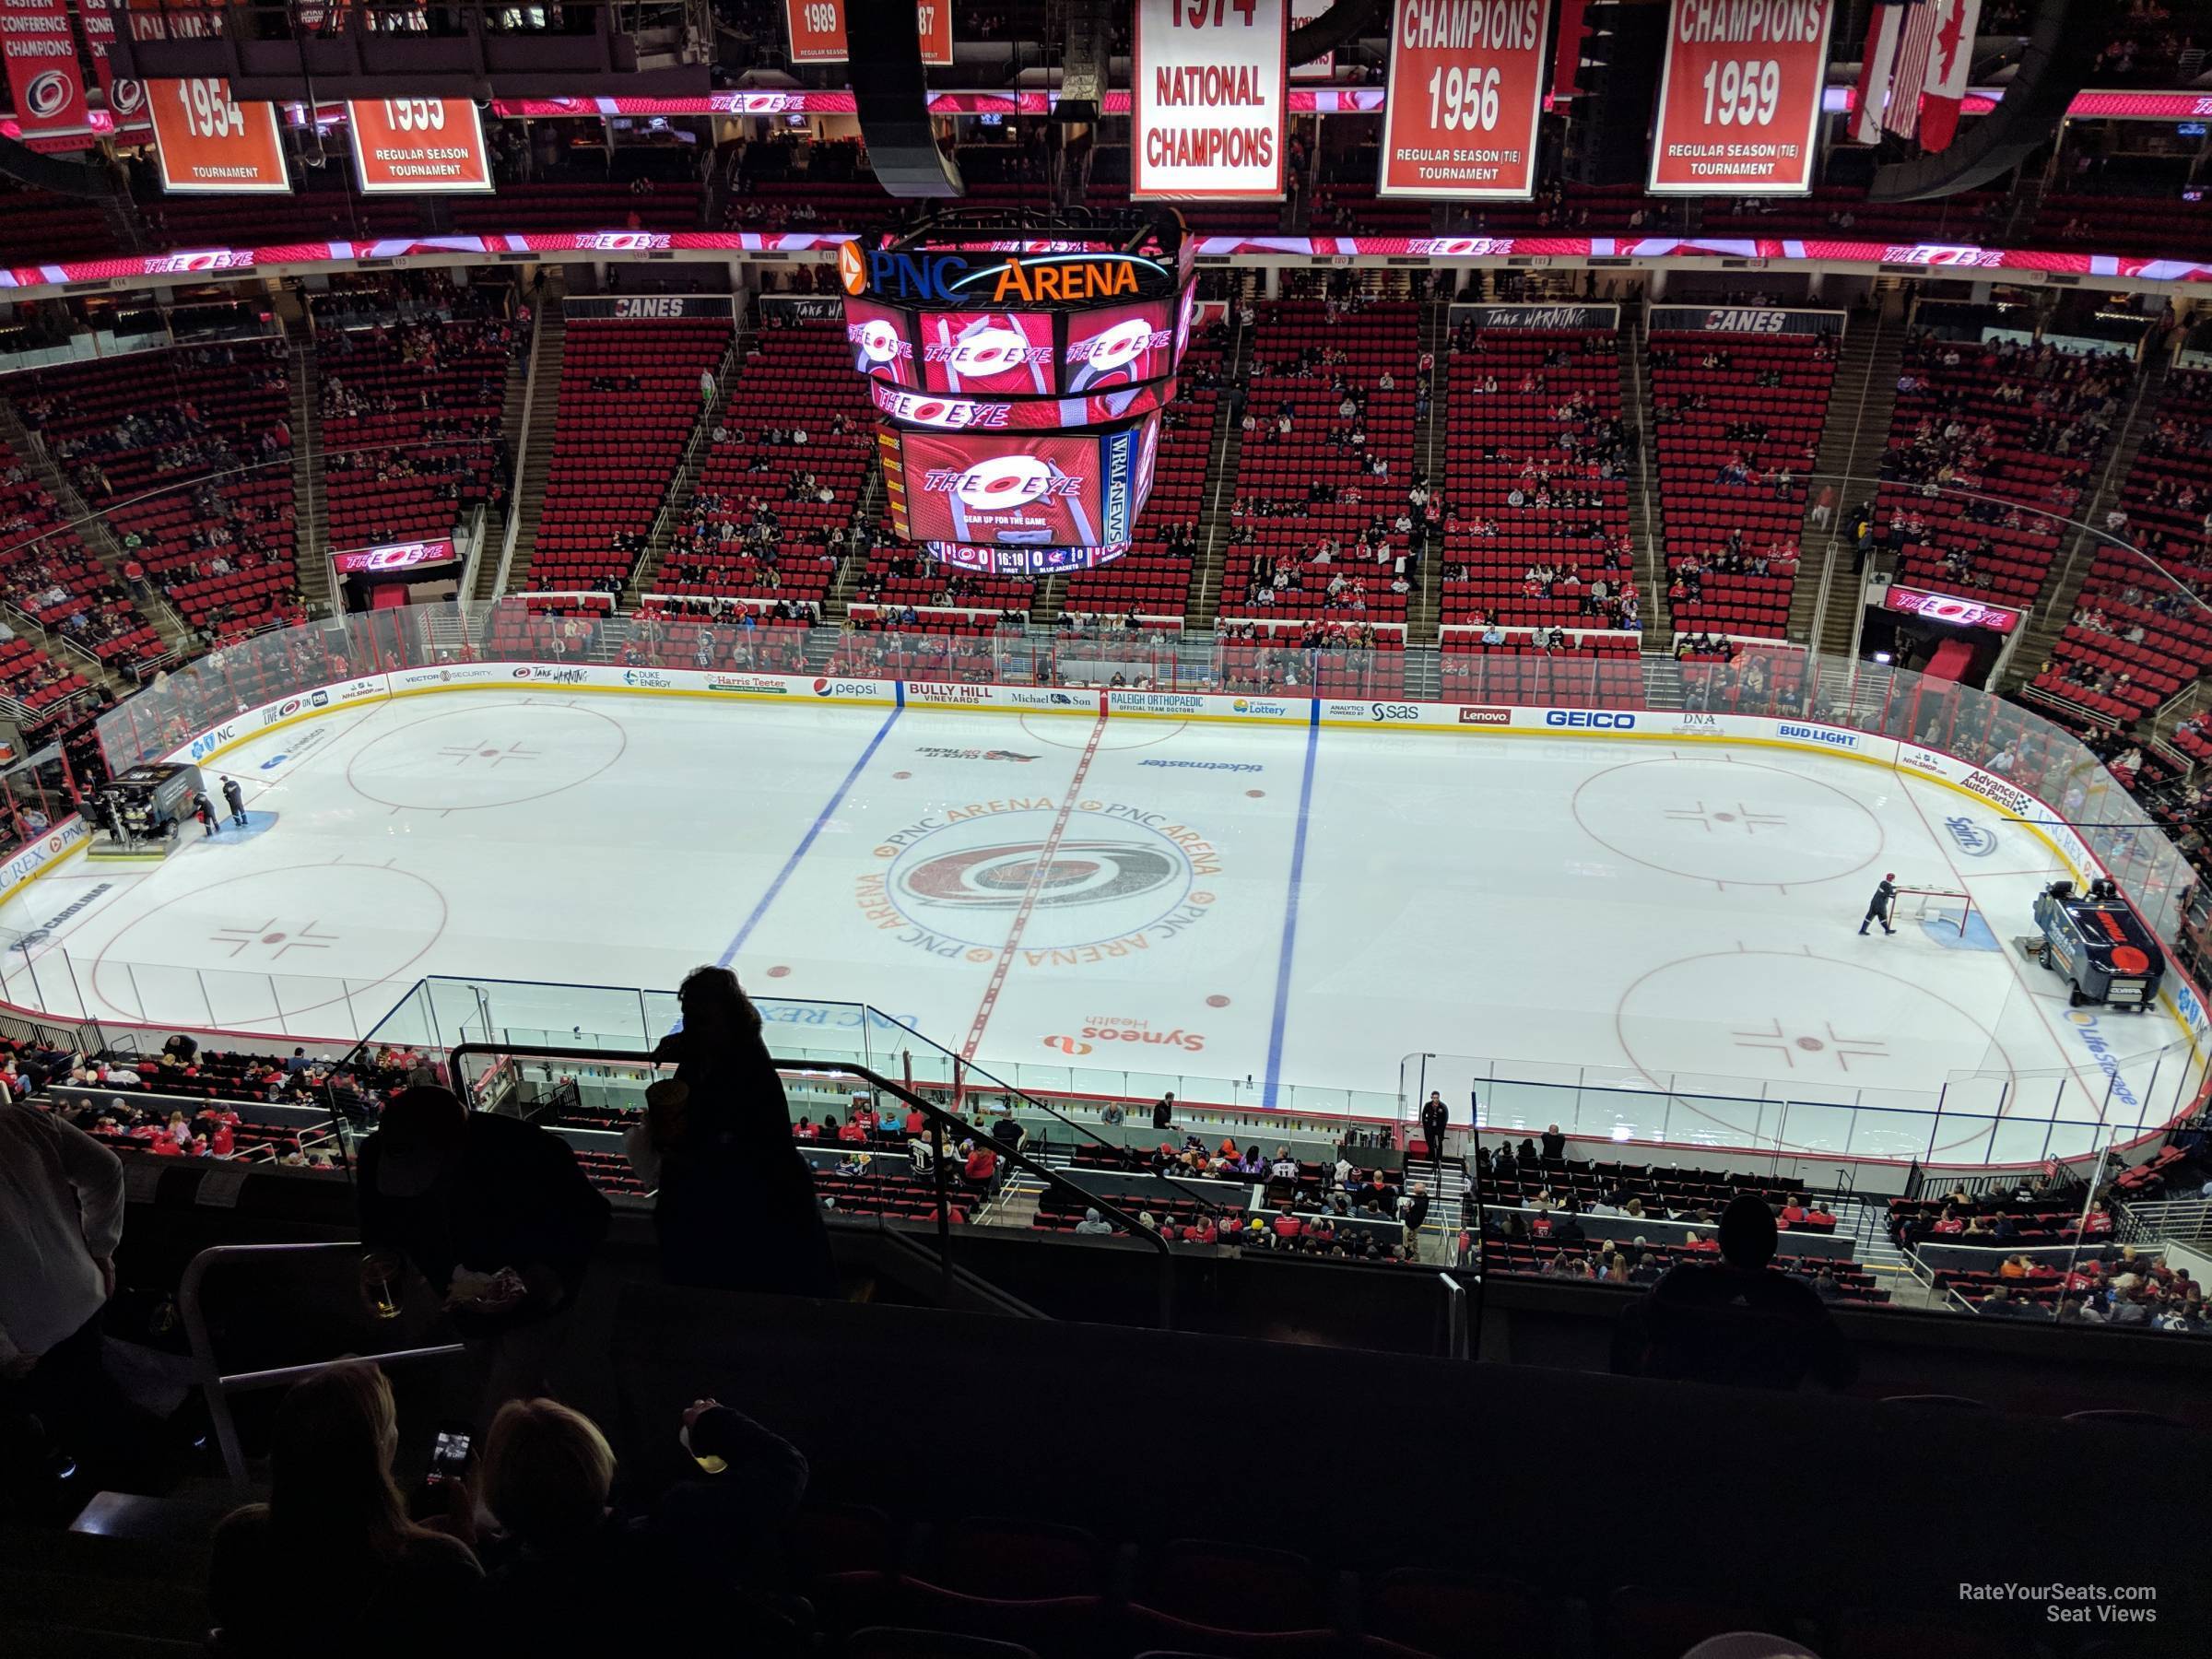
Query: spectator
x,y
61,1217
1093,1225
1735,1321
1555,1144
549,1475
979,1168
737,1208
1435,1121
1163,1112
331,1562
495,1214
299,1062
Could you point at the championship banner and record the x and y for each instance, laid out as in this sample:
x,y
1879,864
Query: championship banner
x,y
1323,67
207,141
1466,90
43,78
417,146
817,30
1739,96
126,98
1210,99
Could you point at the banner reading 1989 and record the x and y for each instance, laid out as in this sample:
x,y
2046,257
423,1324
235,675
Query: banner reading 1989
x,y
1739,96
1466,89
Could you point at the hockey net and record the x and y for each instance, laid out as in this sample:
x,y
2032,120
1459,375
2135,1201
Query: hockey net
x,y
1944,907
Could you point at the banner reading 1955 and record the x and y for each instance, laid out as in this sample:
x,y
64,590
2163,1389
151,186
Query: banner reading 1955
x,y
1210,99
1466,90
1739,96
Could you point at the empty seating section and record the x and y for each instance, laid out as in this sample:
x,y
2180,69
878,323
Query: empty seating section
x,y
1590,671
756,528
2025,424
1312,478
2134,640
748,635
629,400
185,452
1736,423
33,544
547,627
1540,471
1154,578
411,423
1310,659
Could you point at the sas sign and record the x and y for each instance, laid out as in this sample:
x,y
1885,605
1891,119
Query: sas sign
x,y
1592,719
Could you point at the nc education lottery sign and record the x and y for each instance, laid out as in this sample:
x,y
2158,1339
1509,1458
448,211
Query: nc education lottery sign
x,y
1739,96
1467,89
1210,101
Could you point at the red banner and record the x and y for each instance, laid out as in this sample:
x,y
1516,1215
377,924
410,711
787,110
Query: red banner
x,y
1739,98
817,30
42,74
209,141
1466,90
126,98
415,145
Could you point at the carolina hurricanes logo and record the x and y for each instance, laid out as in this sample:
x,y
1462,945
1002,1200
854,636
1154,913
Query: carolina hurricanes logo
x,y
999,878
50,92
125,98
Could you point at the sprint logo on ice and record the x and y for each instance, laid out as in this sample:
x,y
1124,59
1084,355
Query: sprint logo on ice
x,y
1972,839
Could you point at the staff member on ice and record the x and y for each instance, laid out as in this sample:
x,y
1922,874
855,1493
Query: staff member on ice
x,y
1885,896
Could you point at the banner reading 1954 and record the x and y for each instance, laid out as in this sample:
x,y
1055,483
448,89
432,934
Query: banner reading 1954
x,y
1466,90
1739,96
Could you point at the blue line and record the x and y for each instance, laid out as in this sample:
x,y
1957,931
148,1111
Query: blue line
x,y
807,841
1298,873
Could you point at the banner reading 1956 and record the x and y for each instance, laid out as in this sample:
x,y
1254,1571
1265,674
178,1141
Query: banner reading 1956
x,y
1739,96
1466,90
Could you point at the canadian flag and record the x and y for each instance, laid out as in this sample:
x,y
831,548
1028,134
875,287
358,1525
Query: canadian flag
x,y
1914,75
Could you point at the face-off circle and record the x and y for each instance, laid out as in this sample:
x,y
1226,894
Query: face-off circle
x,y
1107,879
1735,823
252,952
486,754
1834,1031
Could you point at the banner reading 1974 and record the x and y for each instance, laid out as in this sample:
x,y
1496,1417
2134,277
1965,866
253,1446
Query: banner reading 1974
x,y
1210,99
1466,90
1739,96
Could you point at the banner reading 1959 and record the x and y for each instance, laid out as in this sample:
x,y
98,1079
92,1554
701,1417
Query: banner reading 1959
x,y
1466,90
1739,96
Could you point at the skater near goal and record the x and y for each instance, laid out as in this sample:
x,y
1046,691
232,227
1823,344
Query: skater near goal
x,y
1884,900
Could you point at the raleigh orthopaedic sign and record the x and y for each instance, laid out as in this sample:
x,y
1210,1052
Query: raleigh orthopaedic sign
x,y
1466,89
1739,96
1209,100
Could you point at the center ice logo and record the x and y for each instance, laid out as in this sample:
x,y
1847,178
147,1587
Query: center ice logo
x,y
1104,881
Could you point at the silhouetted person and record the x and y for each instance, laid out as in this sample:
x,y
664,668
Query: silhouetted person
x,y
737,1207
1435,1122
1735,1321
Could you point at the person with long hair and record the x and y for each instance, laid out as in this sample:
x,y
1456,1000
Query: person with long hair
x,y
331,1564
736,1206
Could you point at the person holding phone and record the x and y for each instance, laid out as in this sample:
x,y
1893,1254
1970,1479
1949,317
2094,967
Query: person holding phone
x,y
495,1214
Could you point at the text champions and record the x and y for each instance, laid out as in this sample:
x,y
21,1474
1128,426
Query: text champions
x,y
1211,86
1750,22
1472,24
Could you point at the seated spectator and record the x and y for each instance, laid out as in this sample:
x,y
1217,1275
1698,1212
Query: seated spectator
x,y
1094,1225
331,1562
1735,1321
683,1570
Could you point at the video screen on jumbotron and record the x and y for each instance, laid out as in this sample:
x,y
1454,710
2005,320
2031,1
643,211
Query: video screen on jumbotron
x,y
1005,352
1069,490
1119,346
882,342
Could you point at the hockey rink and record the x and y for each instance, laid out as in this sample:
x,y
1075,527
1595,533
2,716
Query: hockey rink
x,y
1226,911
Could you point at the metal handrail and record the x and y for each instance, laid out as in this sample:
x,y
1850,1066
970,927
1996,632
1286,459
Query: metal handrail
x,y
217,1388
936,1117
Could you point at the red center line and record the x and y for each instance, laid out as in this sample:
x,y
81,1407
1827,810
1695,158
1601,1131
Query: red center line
x,y
1029,894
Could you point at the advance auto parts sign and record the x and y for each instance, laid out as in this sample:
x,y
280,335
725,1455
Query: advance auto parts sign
x,y
1122,880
